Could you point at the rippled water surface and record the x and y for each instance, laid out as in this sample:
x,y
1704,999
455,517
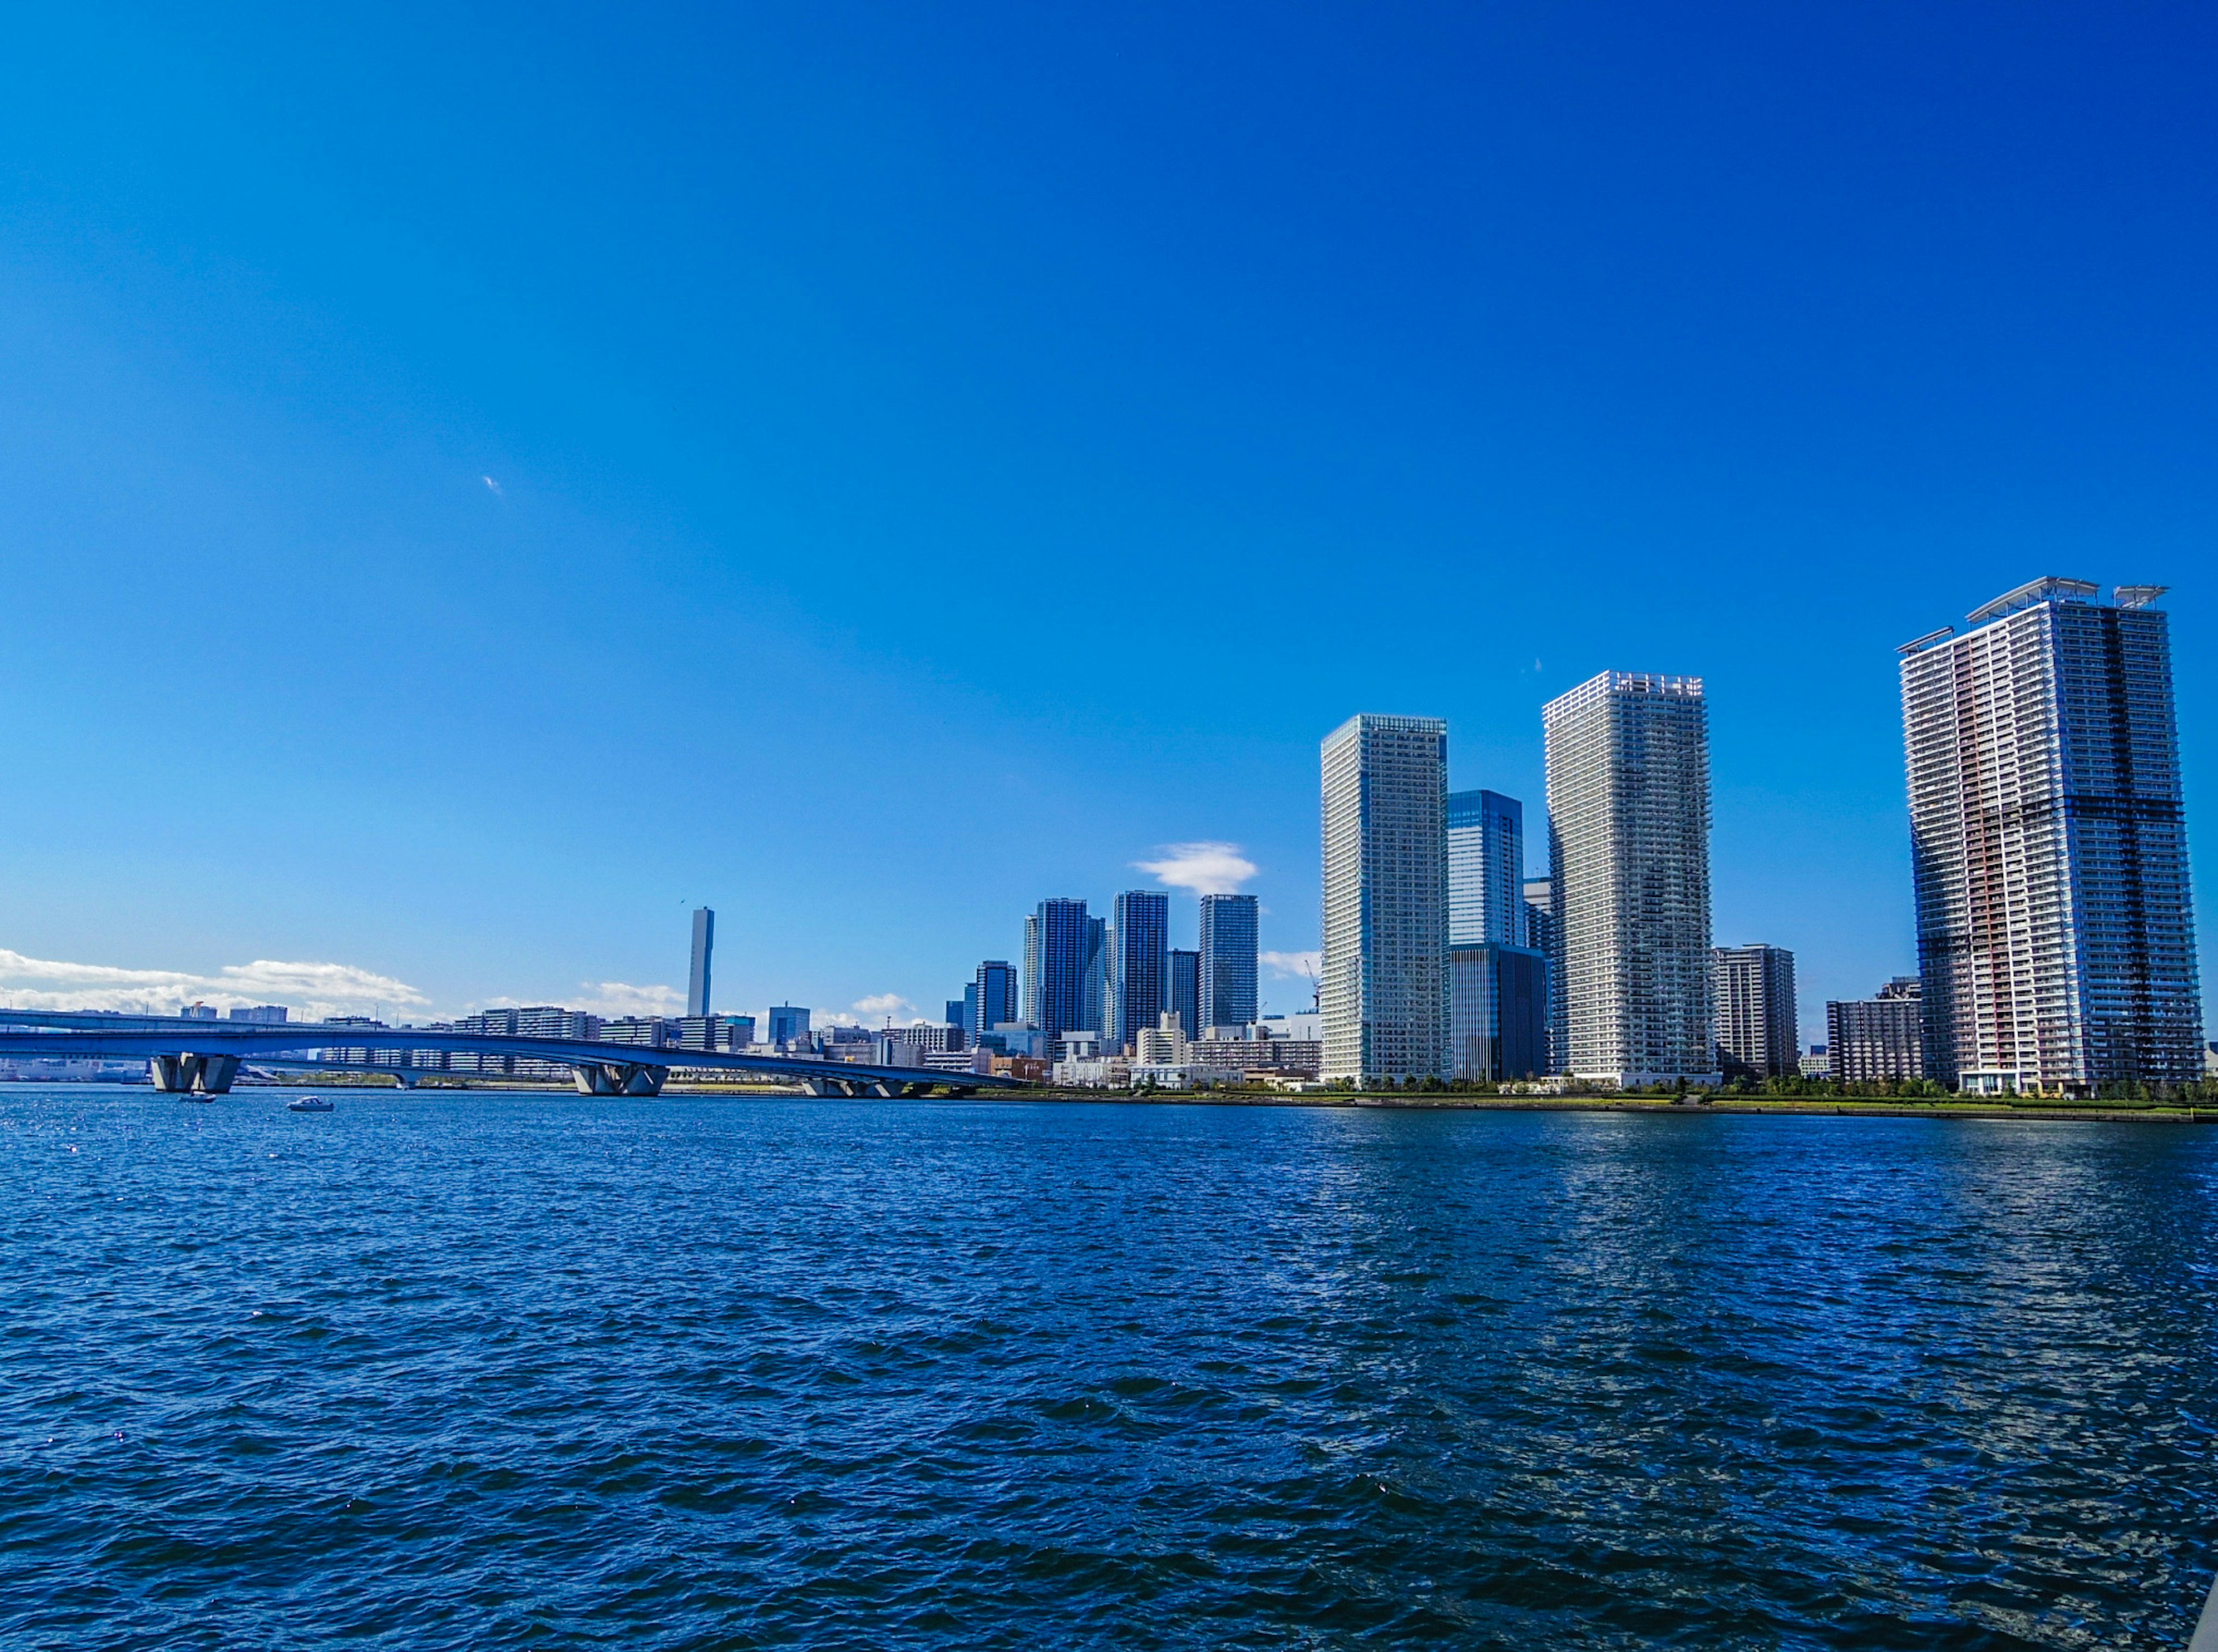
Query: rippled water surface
x,y
550,1371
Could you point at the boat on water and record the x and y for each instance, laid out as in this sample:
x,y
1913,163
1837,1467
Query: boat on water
x,y
308,1104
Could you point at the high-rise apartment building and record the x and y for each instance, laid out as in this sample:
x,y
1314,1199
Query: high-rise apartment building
x,y
1759,1035
1228,940
1629,877
1486,869
1068,946
697,979
2056,931
1031,975
1878,1039
1385,985
1140,932
1182,992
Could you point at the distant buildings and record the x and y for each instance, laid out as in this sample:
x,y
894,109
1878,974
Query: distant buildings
x,y
1486,869
2055,938
266,1014
696,980
1877,1040
1758,1036
1229,942
1386,985
788,1024
991,998
1629,826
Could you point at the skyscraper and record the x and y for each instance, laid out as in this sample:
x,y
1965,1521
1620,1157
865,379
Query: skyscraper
x,y
1031,976
2055,933
1068,948
1629,877
1228,960
1759,1035
1182,993
1140,945
994,991
1386,985
1486,869
696,980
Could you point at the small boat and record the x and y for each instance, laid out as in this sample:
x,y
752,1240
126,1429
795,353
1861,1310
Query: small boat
x,y
308,1104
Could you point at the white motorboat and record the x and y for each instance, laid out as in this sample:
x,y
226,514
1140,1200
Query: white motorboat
x,y
308,1104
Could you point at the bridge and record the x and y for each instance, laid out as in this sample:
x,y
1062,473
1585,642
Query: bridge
x,y
205,1056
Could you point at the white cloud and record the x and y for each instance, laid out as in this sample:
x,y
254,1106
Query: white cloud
x,y
494,485
1293,965
309,990
1200,867
615,997
880,1007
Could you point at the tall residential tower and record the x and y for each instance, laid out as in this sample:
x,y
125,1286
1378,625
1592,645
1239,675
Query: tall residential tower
x,y
2055,933
1386,985
1629,877
1228,961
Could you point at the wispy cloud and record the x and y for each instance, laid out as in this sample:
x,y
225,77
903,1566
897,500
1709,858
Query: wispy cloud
x,y
494,487
615,998
1201,867
309,990
1291,966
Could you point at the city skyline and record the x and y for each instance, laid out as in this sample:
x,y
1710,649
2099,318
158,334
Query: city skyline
x,y
1399,324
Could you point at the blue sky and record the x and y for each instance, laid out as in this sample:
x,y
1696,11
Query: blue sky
x,y
942,454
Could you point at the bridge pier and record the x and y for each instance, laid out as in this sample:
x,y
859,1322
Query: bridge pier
x,y
619,1078
210,1075
861,1089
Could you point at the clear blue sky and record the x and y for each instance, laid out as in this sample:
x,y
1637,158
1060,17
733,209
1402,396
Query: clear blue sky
x,y
945,453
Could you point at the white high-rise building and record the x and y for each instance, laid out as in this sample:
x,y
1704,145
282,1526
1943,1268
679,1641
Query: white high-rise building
x,y
1384,992
1629,876
2055,933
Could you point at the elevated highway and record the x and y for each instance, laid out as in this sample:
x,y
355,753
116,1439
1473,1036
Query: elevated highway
x,y
182,1055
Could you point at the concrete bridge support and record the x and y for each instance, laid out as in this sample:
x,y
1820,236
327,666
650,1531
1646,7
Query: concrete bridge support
x,y
855,1089
619,1078
209,1074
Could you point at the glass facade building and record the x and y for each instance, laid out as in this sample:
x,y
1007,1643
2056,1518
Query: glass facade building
x,y
1182,995
1628,771
1384,991
1497,1012
1486,869
2055,929
1228,941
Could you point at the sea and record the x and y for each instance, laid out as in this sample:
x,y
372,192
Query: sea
x,y
476,1370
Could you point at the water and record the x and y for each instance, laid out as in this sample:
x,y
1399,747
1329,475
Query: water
x,y
490,1371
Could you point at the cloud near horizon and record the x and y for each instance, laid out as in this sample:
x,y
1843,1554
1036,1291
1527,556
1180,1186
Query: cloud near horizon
x,y
1293,965
1200,867
310,991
